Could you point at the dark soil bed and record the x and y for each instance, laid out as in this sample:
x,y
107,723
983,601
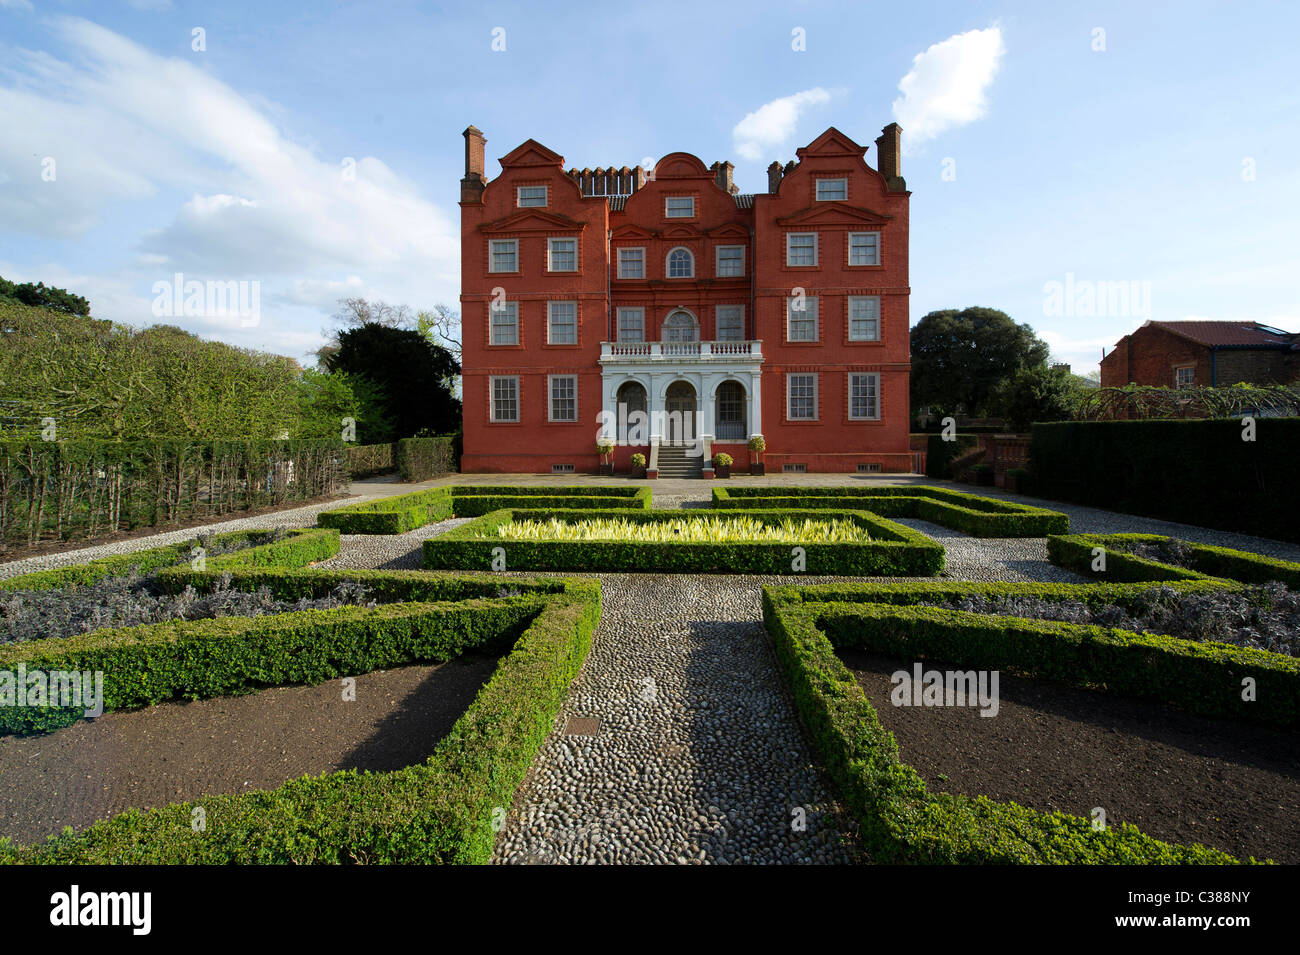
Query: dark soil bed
x,y
180,751
1177,777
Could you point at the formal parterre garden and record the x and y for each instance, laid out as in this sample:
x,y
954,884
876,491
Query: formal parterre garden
x,y
1199,639
445,809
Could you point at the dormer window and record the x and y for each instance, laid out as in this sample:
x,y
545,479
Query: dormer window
x,y
530,196
679,207
832,190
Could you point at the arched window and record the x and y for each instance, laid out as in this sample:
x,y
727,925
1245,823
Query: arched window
x,y
681,326
681,264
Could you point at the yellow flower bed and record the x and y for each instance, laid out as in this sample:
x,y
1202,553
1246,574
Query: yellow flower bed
x,y
691,530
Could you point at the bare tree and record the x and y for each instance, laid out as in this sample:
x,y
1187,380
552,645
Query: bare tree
x,y
355,312
441,325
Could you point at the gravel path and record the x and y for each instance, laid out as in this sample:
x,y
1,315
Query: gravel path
x,y
387,551
292,517
698,757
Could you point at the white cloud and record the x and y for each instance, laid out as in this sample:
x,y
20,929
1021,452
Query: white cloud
x,y
25,5
773,124
946,85
123,125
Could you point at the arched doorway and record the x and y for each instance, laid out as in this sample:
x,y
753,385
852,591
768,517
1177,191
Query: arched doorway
x,y
679,405
730,421
633,426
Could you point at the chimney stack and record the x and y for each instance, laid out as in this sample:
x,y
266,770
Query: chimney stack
x,y
471,187
774,177
888,147
722,175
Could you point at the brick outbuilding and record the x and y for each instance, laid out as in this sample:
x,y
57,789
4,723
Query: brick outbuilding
x,y
1189,353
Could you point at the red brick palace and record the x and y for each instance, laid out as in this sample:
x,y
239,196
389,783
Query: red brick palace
x,y
679,316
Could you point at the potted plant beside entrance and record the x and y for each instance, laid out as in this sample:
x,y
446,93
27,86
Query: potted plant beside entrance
x,y
605,448
638,465
756,447
722,464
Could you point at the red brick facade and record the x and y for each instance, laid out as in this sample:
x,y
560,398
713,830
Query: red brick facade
x,y
703,315
1190,353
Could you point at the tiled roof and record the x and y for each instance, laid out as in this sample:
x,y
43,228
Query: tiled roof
x,y
1230,333
616,203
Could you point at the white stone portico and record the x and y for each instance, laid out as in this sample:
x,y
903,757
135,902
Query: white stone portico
x,y
688,390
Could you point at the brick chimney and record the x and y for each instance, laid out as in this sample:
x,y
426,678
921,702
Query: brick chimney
x,y
774,175
888,148
471,187
722,175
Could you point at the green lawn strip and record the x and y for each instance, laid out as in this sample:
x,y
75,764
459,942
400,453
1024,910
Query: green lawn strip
x,y
300,547
900,820
440,811
1076,552
968,513
894,551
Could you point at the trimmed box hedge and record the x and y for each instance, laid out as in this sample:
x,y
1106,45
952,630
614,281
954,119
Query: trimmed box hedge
x,y
894,551
1075,552
968,513
439,811
475,501
900,819
391,515
301,547
1197,471
397,515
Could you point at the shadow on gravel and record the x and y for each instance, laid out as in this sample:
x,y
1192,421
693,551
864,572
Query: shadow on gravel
x,y
753,768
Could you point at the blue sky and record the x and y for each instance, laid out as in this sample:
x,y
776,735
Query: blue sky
x,y
1161,151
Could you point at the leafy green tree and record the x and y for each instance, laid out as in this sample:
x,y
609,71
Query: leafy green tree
x,y
41,295
960,358
412,371
1038,394
325,399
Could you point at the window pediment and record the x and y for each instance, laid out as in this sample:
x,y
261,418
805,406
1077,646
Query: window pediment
x,y
834,214
533,220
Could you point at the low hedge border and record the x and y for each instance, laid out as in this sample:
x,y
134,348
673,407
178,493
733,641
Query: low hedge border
x,y
391,515
301,547
440,811
224,656
900,820
1075,552
896,551
969,513
476,501
397,515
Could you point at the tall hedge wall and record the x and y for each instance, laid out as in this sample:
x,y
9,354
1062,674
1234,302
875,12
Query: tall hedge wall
x,y
419,459
84,489
1193,471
